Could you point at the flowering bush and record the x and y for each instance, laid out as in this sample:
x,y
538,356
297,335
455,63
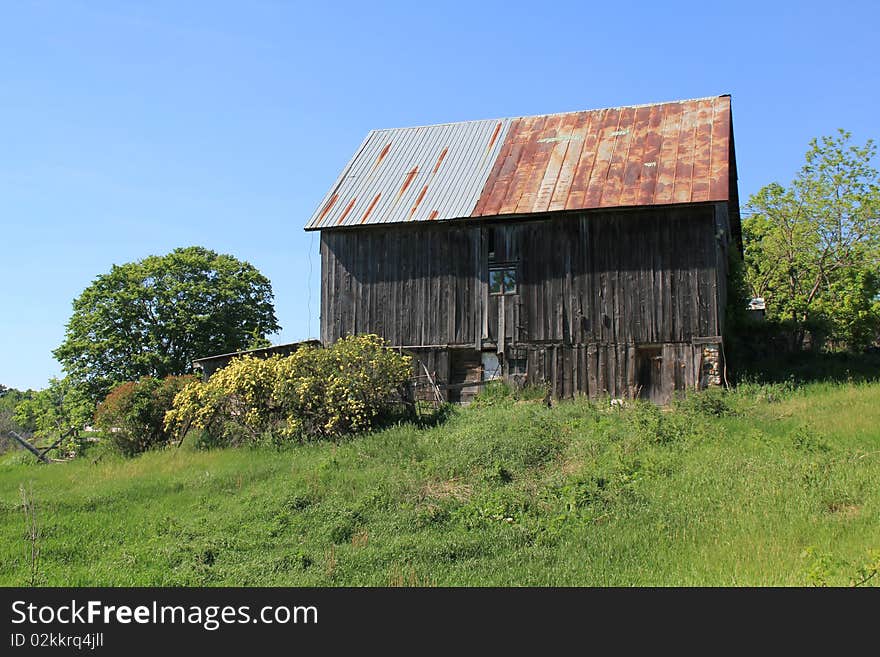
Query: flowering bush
x,y
343,389
235,405
313,393
133,414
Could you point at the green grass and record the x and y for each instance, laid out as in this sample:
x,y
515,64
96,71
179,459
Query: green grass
x,y
770,485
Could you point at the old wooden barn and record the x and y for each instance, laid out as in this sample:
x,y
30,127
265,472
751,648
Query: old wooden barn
x,y
587,251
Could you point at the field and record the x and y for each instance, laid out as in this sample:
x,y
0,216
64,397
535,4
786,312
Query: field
x,y
768,485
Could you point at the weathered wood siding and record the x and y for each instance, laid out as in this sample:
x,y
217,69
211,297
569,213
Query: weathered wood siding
x,y
593,289
609,369
646,277
615,277
412,285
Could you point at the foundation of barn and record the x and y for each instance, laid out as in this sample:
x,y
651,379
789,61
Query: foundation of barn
x,y
654,372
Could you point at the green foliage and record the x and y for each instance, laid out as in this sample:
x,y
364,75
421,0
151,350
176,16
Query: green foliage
x,y
341,389
258,340
502,392
712,402
851,307
812,250
132,416
10,398
507,494
53,411
154,316
825,569
867,570
313,393
819,567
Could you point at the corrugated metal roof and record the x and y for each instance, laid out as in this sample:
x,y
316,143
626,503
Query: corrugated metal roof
x,y
677,152
414,174
619,157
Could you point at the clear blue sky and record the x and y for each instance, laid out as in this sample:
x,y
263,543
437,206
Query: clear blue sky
x,y
131,128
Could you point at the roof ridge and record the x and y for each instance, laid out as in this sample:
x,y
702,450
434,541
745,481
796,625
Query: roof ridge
x,y
532,116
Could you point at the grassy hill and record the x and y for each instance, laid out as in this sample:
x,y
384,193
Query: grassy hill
x,y
765,486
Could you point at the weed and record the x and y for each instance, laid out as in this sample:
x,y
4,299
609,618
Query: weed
x,y
33,533
711,402
807,440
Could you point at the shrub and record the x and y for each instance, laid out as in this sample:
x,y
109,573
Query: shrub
x,y
133,414
313,393
493,393
342,389
233,407
711,402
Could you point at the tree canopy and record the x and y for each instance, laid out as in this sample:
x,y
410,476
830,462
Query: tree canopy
x,y
812,250
54,410
154,316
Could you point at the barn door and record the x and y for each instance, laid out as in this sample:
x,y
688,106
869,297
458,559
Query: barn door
x,y
465,372
649,366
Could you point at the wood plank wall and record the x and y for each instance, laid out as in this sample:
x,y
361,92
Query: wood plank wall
x,y
592,288
410,286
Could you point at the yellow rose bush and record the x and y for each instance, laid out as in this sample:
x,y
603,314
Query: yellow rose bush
x,y
313,393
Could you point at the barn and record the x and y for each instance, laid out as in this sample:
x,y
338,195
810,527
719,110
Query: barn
x,y
584,251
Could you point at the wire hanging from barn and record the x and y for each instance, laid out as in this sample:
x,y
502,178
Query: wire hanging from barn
x,y
309,297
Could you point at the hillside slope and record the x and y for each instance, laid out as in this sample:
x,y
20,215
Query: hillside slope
x,y
765,486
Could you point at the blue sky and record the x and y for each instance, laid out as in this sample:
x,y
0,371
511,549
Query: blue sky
x,y
131,128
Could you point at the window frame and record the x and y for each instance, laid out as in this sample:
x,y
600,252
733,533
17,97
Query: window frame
x,y
505,268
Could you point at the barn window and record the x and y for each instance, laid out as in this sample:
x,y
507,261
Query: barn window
x,y
502,280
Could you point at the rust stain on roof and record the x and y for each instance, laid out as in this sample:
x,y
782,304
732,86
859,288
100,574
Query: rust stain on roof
x,y
346,211
408,180
370,207
642,155
492,139
494,136
418,200
617,157
327,207
381,157
440,160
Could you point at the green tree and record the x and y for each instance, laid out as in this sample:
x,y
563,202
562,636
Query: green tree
x,y
812,250
54,410
10,398
154,316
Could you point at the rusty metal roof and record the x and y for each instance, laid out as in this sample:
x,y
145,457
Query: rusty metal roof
x,y
665,153
414,174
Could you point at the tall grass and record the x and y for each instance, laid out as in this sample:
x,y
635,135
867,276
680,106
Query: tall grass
x,y
773,484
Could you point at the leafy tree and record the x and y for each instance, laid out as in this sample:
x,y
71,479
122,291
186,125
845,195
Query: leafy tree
x,y
10,398
154,316
812,250
53,411
851,308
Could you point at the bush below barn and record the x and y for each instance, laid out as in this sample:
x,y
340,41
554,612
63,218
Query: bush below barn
x,y
314,393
